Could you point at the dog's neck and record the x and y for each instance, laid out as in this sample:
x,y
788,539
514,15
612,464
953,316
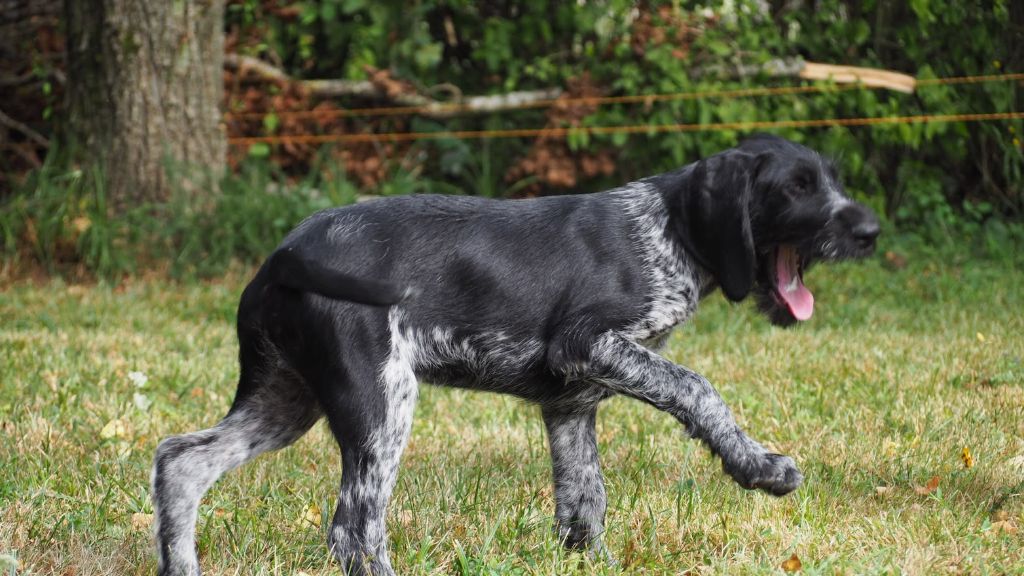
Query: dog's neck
x,y
676,282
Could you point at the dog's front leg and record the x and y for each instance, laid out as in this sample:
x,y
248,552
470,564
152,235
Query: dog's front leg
x,y
630,369
580,501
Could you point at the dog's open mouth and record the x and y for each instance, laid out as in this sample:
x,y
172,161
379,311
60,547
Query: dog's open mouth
x,y
789,283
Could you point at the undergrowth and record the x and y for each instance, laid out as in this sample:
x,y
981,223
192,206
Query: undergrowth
x,y
60,222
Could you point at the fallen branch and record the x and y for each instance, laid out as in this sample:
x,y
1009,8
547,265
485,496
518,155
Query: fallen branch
x,y
800,68
32,77
425,106
872,77
322,88
15,81
243,64
26,155
495,103
29,133
778,67
369,90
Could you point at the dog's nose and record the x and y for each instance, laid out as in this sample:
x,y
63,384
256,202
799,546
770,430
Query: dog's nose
x,y
866,230
862,224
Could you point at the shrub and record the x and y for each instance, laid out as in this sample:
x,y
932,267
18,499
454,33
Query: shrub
x,y
932,178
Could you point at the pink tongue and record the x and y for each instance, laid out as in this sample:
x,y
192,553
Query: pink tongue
x,y
791,287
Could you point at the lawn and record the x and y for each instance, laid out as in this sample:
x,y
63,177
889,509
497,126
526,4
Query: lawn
x,y
903,367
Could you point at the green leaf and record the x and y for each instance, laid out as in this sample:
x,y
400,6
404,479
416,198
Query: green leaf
x,y
328,11
259,150
428,56
270,123
352,6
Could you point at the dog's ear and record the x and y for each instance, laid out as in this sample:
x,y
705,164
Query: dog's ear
x,y
713,219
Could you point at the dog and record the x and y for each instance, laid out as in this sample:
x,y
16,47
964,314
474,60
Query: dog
x,y
557,300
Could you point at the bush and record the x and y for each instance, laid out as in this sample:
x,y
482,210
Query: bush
x,y
949,184
932,178
59,220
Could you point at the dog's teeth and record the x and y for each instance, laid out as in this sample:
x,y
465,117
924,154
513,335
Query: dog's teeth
x,y
791,287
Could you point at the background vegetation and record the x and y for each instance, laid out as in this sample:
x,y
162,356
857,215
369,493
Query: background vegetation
x,y
952,185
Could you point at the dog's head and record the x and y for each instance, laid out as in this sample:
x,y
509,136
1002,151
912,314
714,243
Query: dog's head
x,y
757,216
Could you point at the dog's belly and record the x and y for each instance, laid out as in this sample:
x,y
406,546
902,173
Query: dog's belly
x,y
535,385
462,375
508,361
501,365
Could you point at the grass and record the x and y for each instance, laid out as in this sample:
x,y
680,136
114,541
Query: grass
x,y
59,220
898,371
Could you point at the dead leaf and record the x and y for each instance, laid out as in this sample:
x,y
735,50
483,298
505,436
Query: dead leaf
x,y
793,564
141,521
545,493
311,516
928,488
1017,462
116,428
81,224
405,518
628,555
883,490
1006,526
965,455
31,236
895,261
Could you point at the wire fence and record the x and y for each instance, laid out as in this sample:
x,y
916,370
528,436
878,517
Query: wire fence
x,y
563,132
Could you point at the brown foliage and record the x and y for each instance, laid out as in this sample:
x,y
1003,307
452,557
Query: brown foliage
x,y
263,106
550,160
664,24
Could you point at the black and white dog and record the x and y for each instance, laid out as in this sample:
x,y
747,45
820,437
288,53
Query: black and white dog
x,y
557,300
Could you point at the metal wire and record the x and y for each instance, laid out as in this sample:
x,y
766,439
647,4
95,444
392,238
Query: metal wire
x,y
631,129
626,99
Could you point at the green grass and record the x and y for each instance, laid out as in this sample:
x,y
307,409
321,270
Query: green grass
x,y
898,371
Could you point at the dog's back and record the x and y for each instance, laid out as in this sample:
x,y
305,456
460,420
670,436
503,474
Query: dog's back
x,y
476,264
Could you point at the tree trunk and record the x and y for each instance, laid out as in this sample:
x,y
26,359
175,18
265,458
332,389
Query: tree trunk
x,y
144,90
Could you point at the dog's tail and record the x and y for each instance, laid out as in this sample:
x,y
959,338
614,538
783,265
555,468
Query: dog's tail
x,y
287,267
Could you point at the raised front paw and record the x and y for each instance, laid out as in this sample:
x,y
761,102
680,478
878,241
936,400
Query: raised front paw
x,y
774,473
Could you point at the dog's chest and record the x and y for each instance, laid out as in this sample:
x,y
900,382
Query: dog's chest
x,y
672,300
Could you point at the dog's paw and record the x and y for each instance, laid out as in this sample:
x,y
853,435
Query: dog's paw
x,y
773,473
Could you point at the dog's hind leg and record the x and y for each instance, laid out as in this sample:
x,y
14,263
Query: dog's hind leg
x,y
580,500
271,410
371,421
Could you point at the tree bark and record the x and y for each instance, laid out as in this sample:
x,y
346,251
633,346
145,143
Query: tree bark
x,y
144,90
